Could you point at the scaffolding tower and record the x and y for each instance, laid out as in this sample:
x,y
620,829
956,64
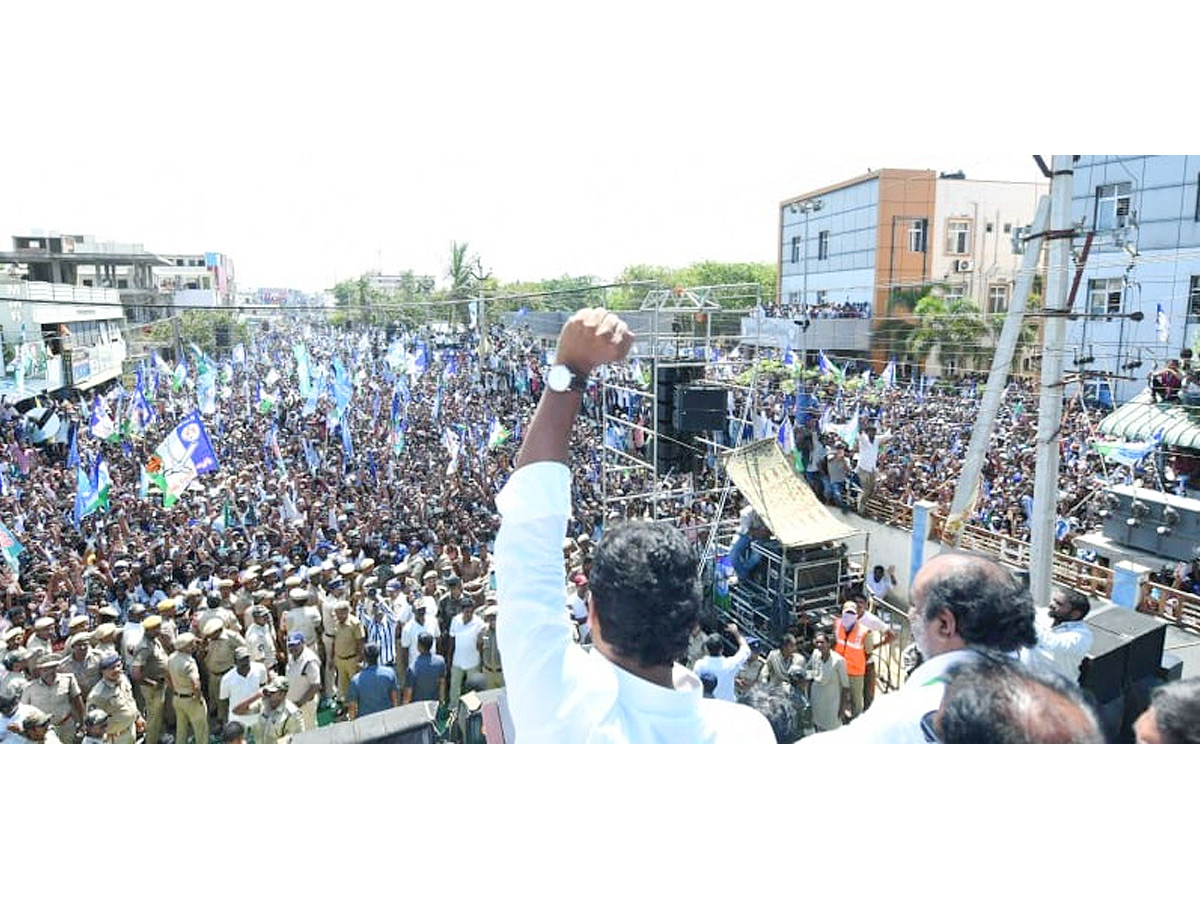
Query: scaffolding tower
x,y
675,326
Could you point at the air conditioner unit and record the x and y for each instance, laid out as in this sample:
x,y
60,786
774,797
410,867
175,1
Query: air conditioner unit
x,y
963,265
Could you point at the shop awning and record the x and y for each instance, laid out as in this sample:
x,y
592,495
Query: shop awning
x,y
1141,417
783,499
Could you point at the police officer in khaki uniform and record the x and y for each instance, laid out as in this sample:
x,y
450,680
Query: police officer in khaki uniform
x,y
82,661
38,643
219,645
114,694
149,676
489,650
280,717
184,676
57,695
348,639
167,611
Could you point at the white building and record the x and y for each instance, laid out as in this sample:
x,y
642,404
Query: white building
x,y
1145,255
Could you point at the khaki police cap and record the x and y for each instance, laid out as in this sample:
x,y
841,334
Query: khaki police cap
x,y
152,622
43,622
298,593
185,640
346,569
78,622
168,606
212,627
78,637
105,631
293,581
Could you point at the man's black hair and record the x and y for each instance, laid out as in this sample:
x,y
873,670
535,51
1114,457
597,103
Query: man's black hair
x,y
994,699
991,607
1176,708
371,653
425,641
714,645
646,591
779,706
1077,601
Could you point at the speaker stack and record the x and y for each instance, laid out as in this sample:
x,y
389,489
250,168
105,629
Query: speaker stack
x,y
683,409
1125,664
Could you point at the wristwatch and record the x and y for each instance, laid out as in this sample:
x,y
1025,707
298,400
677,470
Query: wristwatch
x,y
561,379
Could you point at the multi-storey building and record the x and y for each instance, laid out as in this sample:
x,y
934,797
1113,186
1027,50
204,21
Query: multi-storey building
x,y
848,251
1144,216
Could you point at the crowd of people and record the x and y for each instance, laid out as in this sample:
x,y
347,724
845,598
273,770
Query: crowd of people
x,y
335,561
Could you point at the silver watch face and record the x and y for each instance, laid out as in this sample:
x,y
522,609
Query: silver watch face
x,y
559,378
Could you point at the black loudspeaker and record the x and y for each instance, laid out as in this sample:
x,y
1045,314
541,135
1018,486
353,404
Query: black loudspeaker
x,y
673,449
1144,636
1102,673
699,408
411,724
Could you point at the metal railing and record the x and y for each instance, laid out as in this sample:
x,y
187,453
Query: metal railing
x,y
1170,603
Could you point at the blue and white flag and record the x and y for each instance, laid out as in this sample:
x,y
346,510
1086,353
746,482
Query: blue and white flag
x,y
889,374
1162,325
239,355
347,444
342,387
302,370
101,425
829,368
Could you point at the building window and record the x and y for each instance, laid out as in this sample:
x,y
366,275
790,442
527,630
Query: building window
x,y
1112,205
823,245
1104,296
955,292
1008,227
958,237
998,298
122,284
821,295
987,227
795,249
793,298
917,235
1194,298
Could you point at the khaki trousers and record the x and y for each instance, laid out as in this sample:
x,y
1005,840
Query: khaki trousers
x,y
191,712
346,669
154,700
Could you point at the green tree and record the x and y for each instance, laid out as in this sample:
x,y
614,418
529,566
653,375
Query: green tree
x,y
954,328
199,327
467,279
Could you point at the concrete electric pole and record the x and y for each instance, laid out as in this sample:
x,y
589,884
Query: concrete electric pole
x,y
1045,486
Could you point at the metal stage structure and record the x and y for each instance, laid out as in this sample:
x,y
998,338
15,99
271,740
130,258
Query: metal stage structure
x,y
667,417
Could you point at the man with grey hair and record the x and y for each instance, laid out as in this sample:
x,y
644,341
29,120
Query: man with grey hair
x,y
960,604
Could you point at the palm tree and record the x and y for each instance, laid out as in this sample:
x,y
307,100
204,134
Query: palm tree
x,y
466,274
954,328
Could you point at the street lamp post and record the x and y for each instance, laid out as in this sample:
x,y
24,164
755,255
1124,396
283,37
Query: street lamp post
x,y
806,207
